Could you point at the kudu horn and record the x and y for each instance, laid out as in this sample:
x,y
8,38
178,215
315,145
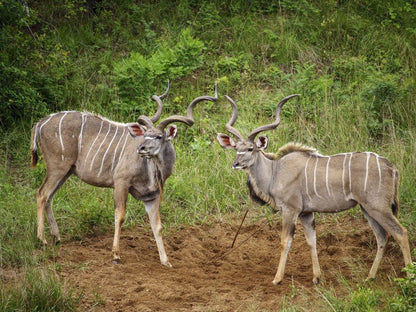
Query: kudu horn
x,y
273,125
253,134
230,123
146,121
158,100
189,119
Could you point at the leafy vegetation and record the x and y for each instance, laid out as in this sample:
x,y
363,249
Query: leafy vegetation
x,y
352,62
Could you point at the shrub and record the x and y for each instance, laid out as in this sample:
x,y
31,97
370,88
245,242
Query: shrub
x,y
380,93
137,75
406,299
18,97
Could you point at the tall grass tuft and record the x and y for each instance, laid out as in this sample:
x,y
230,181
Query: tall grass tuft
x,y
38,290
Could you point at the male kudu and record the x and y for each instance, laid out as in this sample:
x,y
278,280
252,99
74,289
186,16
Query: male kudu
x,y
134,158
299,181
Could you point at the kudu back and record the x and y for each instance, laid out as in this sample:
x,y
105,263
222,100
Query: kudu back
x,y
299,181
134,158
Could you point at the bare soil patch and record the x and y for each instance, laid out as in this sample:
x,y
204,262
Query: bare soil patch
x,y
207,276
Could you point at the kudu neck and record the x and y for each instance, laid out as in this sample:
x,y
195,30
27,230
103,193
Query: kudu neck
x,y
261,176
165,160
262,166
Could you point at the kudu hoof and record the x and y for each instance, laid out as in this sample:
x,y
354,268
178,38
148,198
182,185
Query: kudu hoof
x,y
276,282
116,261
41,243
167,264
316,280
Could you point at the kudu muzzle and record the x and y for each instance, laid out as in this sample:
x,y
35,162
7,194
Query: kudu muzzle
x,y
241,162
237,165
147,149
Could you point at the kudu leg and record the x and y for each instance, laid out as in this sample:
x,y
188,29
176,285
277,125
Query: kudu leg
x,y
120,199
390,224
152,209
382,238
41,202
308,223
44,196
288,230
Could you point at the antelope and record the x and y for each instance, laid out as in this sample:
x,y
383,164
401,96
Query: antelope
x,y
299,181
134,158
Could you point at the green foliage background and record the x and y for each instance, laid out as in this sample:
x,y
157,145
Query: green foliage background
x,y
353,62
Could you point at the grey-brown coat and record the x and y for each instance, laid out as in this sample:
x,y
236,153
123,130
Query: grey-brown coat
x,y
134,158
299,181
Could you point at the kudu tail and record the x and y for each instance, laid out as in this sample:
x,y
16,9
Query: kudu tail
x,y
34,148
395,203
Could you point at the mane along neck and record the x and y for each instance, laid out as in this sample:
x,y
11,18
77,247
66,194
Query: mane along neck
x,y
291,147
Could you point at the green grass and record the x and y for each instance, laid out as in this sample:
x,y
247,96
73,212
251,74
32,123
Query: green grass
x,y
352,62
37,290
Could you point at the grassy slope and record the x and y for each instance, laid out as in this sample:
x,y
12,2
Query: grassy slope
x,y
352,63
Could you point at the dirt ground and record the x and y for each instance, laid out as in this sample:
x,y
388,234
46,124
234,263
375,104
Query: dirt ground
x,y
209,276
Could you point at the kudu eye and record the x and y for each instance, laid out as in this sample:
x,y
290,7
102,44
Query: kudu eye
x,y
250,149
159,137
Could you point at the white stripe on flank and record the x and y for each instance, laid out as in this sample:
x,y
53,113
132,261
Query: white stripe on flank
x,y
115,150
40,129
343,174
349,172
105,154
327,175
98,149
83,120
122,150
99,132
366,170
379,172
60,134
314,178
306,177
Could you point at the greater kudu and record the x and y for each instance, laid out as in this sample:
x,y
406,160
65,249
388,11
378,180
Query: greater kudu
x,y
134,158
299,181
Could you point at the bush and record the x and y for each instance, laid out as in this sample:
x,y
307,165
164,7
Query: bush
x,y
19,98
136,77
381,94
406,299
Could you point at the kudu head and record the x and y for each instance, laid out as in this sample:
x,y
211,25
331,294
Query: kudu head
x,y
156,135
247,149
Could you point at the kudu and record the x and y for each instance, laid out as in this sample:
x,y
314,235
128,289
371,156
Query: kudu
x,y
299,181
134,158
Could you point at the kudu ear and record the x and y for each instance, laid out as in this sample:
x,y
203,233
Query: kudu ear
x,y
262,142
171,132
225,141
135,129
